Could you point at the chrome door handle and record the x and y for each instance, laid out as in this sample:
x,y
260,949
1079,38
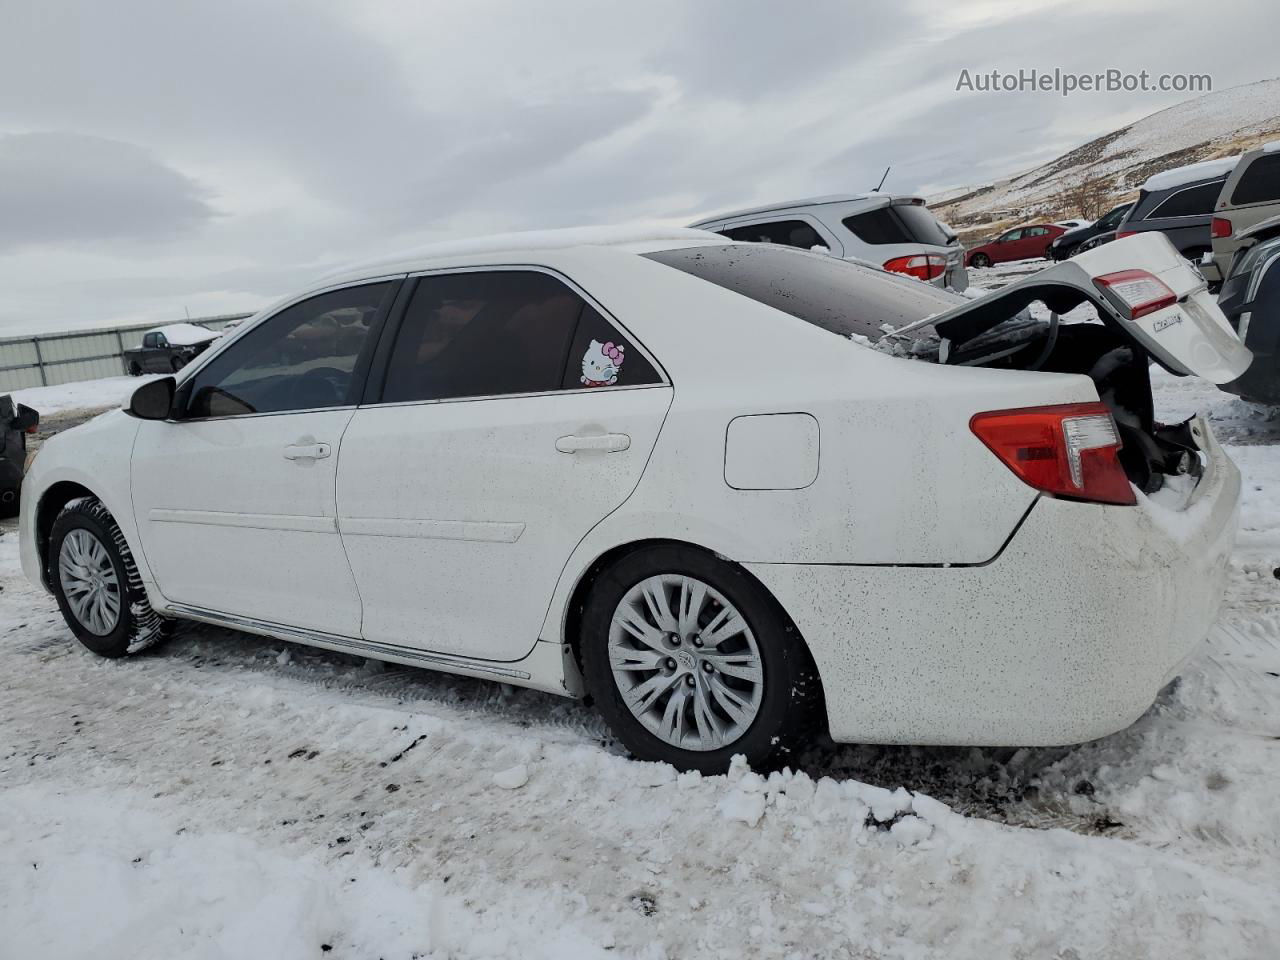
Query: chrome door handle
x,y
604,443
306,451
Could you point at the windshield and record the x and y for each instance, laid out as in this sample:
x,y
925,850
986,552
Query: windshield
x,y
844,298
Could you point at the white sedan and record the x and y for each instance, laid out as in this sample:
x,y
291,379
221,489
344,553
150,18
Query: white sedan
x,y
731,492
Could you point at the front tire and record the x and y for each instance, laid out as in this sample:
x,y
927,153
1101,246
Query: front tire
x,y
95,580
980,261
690,661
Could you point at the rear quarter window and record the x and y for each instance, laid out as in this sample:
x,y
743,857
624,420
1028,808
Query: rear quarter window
x,y
903,223
1260,182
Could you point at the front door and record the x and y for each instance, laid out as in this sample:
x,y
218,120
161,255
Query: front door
x,y
235,498
514,418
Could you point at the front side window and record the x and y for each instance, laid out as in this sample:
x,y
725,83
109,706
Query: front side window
x,y
151,340
1011,236
303,358
1189,202
787,233
504,332
1260,182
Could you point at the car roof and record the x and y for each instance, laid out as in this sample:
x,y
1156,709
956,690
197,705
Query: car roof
x,y
1191,173
806,202
632,238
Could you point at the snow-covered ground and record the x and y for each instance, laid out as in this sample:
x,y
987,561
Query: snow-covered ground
x,y
231,796
81,395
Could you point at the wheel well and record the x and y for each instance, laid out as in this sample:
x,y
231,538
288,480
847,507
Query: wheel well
x,y
578,599
51,504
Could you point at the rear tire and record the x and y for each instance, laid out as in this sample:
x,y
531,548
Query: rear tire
x,y
134,369
93,576
980,261
674,697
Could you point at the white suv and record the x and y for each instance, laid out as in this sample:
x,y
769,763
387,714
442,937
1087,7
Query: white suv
x,y
898,234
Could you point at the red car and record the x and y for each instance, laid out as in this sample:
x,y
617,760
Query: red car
x,y
1020,243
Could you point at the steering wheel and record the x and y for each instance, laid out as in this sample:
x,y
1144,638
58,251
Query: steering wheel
x,y
320,387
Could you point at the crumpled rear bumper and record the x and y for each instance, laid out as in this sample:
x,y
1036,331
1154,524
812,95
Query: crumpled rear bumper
x,y
1067,635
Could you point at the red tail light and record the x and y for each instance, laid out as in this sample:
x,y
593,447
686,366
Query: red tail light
x,y
1070,449
1221,228
1141,292
1121,234
922,266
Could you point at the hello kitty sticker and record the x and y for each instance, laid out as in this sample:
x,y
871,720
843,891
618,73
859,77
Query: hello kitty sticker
x,y
601,364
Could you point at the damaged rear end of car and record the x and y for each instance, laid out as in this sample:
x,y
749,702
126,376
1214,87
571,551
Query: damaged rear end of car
x,y
1152,306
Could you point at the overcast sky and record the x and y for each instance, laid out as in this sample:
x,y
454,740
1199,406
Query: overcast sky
x,y
157,157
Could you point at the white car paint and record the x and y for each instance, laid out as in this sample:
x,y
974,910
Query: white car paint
x,y
942,599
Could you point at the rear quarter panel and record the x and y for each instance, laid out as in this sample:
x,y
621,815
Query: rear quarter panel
x,y
901,477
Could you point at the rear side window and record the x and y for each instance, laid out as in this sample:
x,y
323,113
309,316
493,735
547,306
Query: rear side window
x,y
787,233
504,332
1189,202
1260,182
902,223
1035,231
601,357
841,297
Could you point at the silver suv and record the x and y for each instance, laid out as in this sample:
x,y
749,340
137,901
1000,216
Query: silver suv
x,y
1248,208
899,234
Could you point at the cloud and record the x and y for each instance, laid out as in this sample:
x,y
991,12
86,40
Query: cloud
x,y
72,188
330,131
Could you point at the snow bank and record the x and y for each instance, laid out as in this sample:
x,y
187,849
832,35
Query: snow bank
x,y
82,395
109,876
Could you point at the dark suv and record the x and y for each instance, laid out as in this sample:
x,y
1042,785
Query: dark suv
x,y
1068,245
1179,203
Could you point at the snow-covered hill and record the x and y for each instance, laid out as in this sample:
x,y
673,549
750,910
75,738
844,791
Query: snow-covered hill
x,y
1215,125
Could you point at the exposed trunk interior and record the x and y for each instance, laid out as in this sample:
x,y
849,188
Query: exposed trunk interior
x,y
989,335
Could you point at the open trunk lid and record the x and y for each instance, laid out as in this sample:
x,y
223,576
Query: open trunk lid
x,y
1187,333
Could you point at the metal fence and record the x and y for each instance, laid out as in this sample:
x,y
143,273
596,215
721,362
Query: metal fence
x,y
49,359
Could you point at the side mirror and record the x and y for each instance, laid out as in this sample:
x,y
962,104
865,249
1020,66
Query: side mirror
x,y
154,400
26,420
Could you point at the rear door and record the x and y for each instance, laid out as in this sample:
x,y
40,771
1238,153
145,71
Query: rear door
x,y
513,416
1035,241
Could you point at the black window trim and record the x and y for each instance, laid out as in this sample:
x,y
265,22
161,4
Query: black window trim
x,y
1184,216
381,362
359,373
